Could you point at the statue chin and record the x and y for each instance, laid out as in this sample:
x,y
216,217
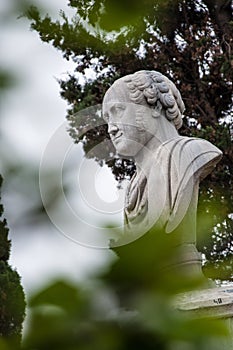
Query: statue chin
x,y
127,148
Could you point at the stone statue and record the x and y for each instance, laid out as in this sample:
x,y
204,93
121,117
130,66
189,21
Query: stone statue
x,y
144,111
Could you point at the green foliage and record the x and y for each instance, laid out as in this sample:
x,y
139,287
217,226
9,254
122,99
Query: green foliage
x,y
190,42
12,302
129,307
6,80
4,241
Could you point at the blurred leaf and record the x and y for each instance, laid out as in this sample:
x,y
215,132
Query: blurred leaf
x,y
4,345
159,315
7,80
61,294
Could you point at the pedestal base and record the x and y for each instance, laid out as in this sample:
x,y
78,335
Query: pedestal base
x,y
215,303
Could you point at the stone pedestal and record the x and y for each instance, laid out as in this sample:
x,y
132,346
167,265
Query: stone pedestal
x,y
215,303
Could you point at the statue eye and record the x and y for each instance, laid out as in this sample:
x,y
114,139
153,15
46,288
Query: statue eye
x,y
120,107
115,111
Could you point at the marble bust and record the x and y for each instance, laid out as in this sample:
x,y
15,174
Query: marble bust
x,y
144,112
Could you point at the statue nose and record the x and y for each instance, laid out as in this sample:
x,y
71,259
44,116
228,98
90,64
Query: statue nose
x,y
112,129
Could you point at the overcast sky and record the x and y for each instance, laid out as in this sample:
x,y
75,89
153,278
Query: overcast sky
x,y
32,113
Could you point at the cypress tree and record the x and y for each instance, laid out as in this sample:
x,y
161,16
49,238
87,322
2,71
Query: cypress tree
x,y
12,299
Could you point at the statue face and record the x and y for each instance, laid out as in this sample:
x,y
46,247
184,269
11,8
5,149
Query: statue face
x,y
126,122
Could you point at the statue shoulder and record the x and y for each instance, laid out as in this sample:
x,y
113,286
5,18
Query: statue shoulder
x,y
202,145
200,155
182,163
188,156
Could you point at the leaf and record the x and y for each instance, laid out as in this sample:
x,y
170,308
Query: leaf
x,y
61,294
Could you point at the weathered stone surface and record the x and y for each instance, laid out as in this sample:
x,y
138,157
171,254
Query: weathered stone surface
x,y
213,302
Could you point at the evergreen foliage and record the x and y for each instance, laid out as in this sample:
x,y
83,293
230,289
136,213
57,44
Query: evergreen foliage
x,y
12,301
131,306
191,42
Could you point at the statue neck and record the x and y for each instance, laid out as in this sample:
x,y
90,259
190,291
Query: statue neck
x,y
162,130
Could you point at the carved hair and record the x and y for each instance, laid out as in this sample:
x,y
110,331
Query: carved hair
x,y
155,89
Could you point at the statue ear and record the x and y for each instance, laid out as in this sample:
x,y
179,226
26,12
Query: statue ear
x,y
155,113
157,110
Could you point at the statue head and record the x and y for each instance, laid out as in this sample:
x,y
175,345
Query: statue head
x,y
136,105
